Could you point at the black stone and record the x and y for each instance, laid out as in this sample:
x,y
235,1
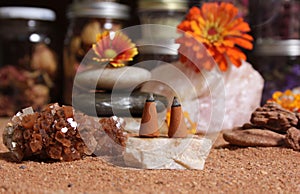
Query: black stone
x,y
22,167
106,105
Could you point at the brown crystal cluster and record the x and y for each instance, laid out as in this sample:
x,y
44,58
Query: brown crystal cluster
x,y
271,125
105,137
58,133
114,128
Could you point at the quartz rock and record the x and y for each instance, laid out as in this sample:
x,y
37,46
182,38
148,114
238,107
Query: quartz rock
x,y
293,138
167,153
254,138
243,89
112,78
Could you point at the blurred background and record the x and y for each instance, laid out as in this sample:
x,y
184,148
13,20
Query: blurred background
x,y
58,41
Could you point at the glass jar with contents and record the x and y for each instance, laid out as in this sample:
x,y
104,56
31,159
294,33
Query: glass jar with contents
x,y
87,19
163,48
160,54
275,20
163,12
28,62
279,64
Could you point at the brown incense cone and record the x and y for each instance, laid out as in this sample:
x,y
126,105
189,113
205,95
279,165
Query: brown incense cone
x,y
177,125
149,123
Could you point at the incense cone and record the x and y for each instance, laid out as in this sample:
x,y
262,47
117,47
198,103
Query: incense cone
x,y
177,124
149,123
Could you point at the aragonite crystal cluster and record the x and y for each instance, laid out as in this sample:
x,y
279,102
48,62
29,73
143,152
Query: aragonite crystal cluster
x,y
58,133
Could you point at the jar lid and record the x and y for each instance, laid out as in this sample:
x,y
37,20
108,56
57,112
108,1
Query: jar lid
x,y
175,5
33,13
289,47
157,47
98,9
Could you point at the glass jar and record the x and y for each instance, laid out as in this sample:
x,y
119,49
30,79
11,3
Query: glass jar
x,y
87,19
162,54
279,64
163,12
162,47
28,62
275,20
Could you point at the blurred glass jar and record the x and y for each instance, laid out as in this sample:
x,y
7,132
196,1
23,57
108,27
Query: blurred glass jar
x,y
28,63
279,64
163,12
160,12
275,19
87,19
160,54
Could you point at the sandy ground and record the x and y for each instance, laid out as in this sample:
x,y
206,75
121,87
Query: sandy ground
x,y
227,170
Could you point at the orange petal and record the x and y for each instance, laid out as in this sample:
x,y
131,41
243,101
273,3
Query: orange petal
x,y
235,62
236,53
241,42
193,13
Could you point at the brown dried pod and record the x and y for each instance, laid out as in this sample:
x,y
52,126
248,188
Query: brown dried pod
x,y
293,138
272,116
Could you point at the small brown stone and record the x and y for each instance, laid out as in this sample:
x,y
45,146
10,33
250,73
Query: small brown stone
x,y
247,126
254,138
293,138
272,116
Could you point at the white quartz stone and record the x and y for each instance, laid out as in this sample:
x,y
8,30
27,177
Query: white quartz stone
x,y
112,78
167,153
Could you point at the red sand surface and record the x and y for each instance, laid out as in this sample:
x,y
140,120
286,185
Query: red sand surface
x,y
227,170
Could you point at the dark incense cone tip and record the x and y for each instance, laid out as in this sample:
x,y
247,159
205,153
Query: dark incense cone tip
x,y
175,102
150,98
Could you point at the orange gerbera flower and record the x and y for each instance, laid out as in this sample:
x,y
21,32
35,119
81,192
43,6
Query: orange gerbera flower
x,y
114,48
218,27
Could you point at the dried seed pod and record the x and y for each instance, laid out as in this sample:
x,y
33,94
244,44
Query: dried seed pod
x,y
272,116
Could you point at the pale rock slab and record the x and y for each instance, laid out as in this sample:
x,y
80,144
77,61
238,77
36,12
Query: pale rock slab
x,y
112,78
167,153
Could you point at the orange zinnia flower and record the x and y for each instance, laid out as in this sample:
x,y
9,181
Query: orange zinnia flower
x,y
218,27
115,48
287,100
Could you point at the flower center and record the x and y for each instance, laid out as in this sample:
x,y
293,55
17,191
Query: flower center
x,y
212,31
110,53
213,34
